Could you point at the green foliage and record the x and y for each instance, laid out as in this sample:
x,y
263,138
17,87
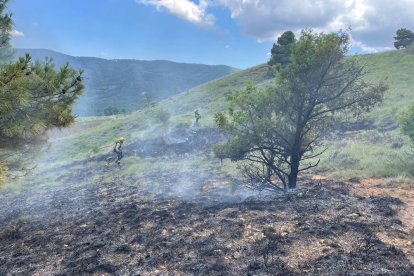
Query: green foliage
x,y
279,127
406,121
6,25
34,97
281,52
220,151
403,38
220,119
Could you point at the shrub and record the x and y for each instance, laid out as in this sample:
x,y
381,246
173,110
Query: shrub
x,y
406,121
162,115
110,110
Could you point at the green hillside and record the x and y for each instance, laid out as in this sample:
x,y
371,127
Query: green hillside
x,y
120,83
208,98
396,68
373,148
379,150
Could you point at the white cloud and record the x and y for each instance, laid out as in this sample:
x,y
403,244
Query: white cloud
x,y
185,9
35,24
373,22
16,33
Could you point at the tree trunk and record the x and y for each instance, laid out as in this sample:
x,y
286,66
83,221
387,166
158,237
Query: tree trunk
x,y
294,170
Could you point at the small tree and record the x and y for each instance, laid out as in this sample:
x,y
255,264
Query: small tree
x,y
403,38
221,152
277,130
281,52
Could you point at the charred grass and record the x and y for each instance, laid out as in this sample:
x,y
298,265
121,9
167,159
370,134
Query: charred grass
x,y
167,211
327,228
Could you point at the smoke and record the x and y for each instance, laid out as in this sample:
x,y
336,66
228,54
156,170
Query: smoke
x,y
168,165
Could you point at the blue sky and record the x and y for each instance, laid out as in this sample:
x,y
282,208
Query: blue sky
x,y
232,32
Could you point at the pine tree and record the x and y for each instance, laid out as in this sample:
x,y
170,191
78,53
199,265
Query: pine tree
x,y
403,38
6,25
276,131
34,96
281,52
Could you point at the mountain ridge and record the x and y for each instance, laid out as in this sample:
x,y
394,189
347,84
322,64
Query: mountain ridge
x,y
21,51
120,83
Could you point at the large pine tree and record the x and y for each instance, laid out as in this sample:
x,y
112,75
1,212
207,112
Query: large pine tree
x,y
34,96
276,131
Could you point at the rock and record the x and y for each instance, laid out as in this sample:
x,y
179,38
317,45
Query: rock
x,y
353,215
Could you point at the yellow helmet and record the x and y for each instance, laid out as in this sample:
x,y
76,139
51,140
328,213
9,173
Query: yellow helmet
x,y
121,138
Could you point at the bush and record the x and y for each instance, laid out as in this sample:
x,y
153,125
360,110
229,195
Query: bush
x,y
406,121
220,151
110,110
162,115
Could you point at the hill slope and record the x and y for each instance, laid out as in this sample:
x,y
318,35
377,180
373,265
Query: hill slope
x,y
120,83
376,148
373,149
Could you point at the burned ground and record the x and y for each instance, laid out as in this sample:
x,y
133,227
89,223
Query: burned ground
x,y
121,229
181,222
180,141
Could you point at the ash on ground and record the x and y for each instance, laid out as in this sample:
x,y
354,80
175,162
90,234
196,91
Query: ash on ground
x,y
172,222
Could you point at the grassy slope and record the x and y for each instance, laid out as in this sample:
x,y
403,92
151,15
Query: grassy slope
x,y
380,152
377,152
94,132
396,67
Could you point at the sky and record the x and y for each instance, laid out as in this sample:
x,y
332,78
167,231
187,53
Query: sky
x,y
239,33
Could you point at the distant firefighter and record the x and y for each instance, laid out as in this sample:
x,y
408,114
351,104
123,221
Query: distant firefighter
x,y
118,149
197,116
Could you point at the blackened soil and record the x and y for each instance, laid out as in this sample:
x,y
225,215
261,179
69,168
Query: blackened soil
x,y
122,229
180,222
